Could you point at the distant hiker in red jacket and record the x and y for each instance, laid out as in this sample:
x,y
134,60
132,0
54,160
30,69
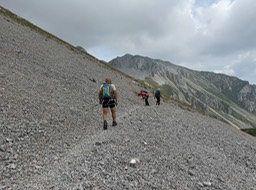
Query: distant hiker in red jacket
x,y
144,94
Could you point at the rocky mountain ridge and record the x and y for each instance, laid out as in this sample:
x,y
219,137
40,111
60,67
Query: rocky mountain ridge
x,y
227,95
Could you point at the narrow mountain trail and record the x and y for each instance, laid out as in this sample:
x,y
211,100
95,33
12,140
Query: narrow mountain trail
x,y
93,136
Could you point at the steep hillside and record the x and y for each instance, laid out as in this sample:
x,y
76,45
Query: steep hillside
x,y
51,133
219,95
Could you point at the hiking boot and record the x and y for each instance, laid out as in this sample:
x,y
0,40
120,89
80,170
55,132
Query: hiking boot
x,y
114,123
105,126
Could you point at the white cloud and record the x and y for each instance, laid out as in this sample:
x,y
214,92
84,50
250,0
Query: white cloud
x,y
228,69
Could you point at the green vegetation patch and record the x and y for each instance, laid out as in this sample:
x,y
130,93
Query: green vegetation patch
x,y
242,118
168,90
150,81
200,107
251,131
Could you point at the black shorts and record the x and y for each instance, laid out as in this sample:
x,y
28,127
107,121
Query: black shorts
x,y
109,103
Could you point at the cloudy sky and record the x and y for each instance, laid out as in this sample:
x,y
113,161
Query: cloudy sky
x,y
204,35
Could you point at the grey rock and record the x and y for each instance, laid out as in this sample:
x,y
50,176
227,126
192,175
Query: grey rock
x,y
206,183
134,162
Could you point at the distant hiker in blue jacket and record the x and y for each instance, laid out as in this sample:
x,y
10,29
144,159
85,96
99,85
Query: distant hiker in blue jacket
x,y
157,96
109,99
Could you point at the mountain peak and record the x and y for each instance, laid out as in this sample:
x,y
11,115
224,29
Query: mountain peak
x,y
199,89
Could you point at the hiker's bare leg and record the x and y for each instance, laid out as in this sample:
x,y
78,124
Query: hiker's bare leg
x,y
105,113
113,111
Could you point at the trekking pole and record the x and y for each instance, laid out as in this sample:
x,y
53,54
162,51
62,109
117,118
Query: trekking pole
x,y
97,82
91,107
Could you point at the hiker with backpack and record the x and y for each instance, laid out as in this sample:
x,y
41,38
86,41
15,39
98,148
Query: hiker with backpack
x,y
157,96
109,99
144,94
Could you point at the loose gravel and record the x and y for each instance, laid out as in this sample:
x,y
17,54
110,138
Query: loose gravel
x,y
51,134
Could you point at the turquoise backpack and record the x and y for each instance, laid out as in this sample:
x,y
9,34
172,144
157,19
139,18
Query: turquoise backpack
x,y
107,92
